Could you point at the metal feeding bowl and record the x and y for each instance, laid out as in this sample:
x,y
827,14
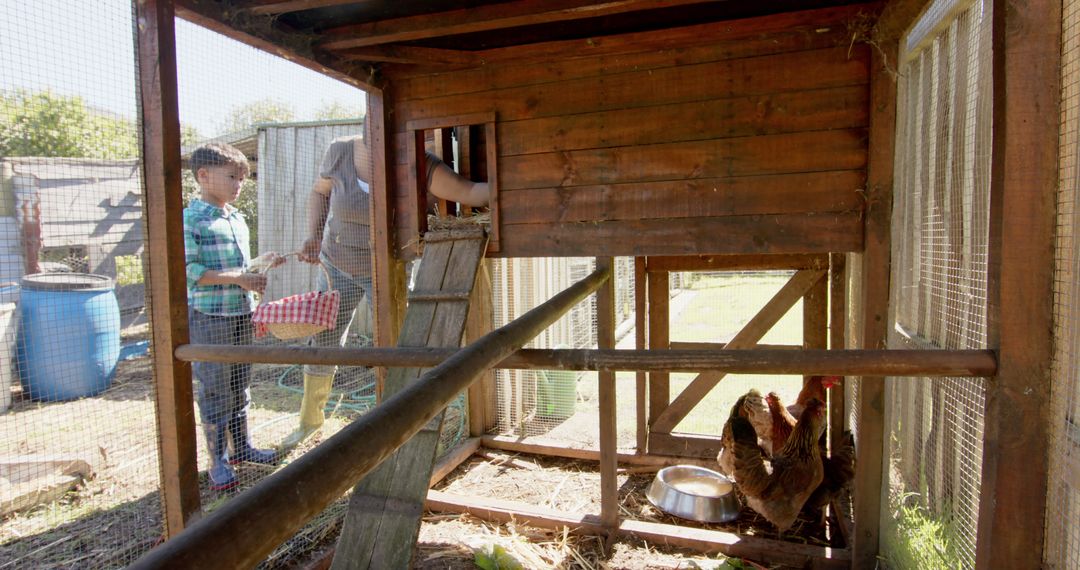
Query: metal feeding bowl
x,y
694,493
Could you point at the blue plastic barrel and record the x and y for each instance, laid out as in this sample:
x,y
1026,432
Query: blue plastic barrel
x,y
69,340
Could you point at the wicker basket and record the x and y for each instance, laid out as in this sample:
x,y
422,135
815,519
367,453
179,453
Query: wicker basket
x,y
293,331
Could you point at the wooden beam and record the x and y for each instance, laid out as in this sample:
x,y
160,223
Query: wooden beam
x,y
275,8
815,317
876,267
275,507
450,461
270,36
641,342
895,19
482,412
707,541
923,362
838,301
659,296
737,262
1024,180
609,442
167,286
411,55
485,18
750,334
555,448
704,447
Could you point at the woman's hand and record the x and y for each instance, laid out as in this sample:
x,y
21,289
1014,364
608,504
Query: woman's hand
x,y
309,252
252,282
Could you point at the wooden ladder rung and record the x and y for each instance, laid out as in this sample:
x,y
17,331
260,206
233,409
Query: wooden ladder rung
x,y
436,296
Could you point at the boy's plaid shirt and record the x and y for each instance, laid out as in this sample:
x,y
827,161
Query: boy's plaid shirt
x,y
218,239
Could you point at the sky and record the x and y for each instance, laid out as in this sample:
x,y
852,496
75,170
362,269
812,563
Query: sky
x,y
85,48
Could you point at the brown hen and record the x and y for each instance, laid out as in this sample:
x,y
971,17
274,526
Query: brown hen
x,y
777,489
749,406
839,470
814,389
782,420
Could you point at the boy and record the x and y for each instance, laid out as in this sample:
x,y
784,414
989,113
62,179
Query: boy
x,y
220,303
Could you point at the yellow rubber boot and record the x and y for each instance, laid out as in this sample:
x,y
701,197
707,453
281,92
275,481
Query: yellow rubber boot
x,y
316,393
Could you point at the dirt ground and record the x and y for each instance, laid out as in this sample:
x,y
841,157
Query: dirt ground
x,y
112,517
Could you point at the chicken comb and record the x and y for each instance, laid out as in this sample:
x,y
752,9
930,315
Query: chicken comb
x,y
830,381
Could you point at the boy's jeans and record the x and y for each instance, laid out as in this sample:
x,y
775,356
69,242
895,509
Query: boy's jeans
x,y
223,388
353,290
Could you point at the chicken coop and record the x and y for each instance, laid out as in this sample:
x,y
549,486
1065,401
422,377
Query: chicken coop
x,y
902,176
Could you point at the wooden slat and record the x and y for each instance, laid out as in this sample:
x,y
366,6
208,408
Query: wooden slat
x,y
641,342
838,301
788,72
557,448
659,297
736,262
485,18
704,447
167,286
482,412
605,333
708,541
790,233
841,149
453,458
815,316
748,336
801,192
411,55
573,59
384,511
1024,176
274,8
875,306
835,108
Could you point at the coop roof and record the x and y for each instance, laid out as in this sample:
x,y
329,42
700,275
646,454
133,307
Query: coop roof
x,y
354,40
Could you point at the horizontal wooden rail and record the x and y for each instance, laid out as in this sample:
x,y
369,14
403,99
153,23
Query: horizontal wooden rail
x,y
245,530
749,361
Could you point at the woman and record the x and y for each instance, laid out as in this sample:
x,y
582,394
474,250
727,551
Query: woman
x,y
339,238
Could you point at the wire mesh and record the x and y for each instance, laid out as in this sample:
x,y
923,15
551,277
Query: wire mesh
x,y
940,288
1063,489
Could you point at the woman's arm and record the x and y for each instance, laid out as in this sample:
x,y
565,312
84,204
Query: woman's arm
x,y
451,186
317,208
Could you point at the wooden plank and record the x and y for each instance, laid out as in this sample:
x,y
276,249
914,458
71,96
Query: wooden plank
x,y
1024,176
484,18
641,342
748,336
788,72
482,412
659,297
411,55
605,332
836,108
708,541
781,234
167,287
601,55
704,447
495,185
875,307
736,262
284,7
557,448
452,459
384,511
836,191
838,301
816,317
840,149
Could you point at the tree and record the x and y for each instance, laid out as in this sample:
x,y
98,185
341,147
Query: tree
x,y
264,111
51,125
338,110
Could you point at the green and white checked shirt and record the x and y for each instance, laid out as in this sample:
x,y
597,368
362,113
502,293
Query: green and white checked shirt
x,y
218,239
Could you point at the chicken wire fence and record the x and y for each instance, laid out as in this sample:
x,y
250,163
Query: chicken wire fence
x,y
1063,488
262,139
941,219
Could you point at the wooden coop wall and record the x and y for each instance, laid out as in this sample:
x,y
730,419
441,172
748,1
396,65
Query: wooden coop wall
x,y
736,137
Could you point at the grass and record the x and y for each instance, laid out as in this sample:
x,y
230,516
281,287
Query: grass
x,y
920,539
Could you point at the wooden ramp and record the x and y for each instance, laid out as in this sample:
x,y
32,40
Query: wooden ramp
x,y
383,518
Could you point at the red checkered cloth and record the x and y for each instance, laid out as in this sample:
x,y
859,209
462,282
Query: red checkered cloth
x,y
314,307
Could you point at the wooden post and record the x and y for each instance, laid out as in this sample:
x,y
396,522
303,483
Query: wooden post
x,y
874,289
659,309
816,317
605,330
1024,177
156,44
388,270
641,306
837,340
482,413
